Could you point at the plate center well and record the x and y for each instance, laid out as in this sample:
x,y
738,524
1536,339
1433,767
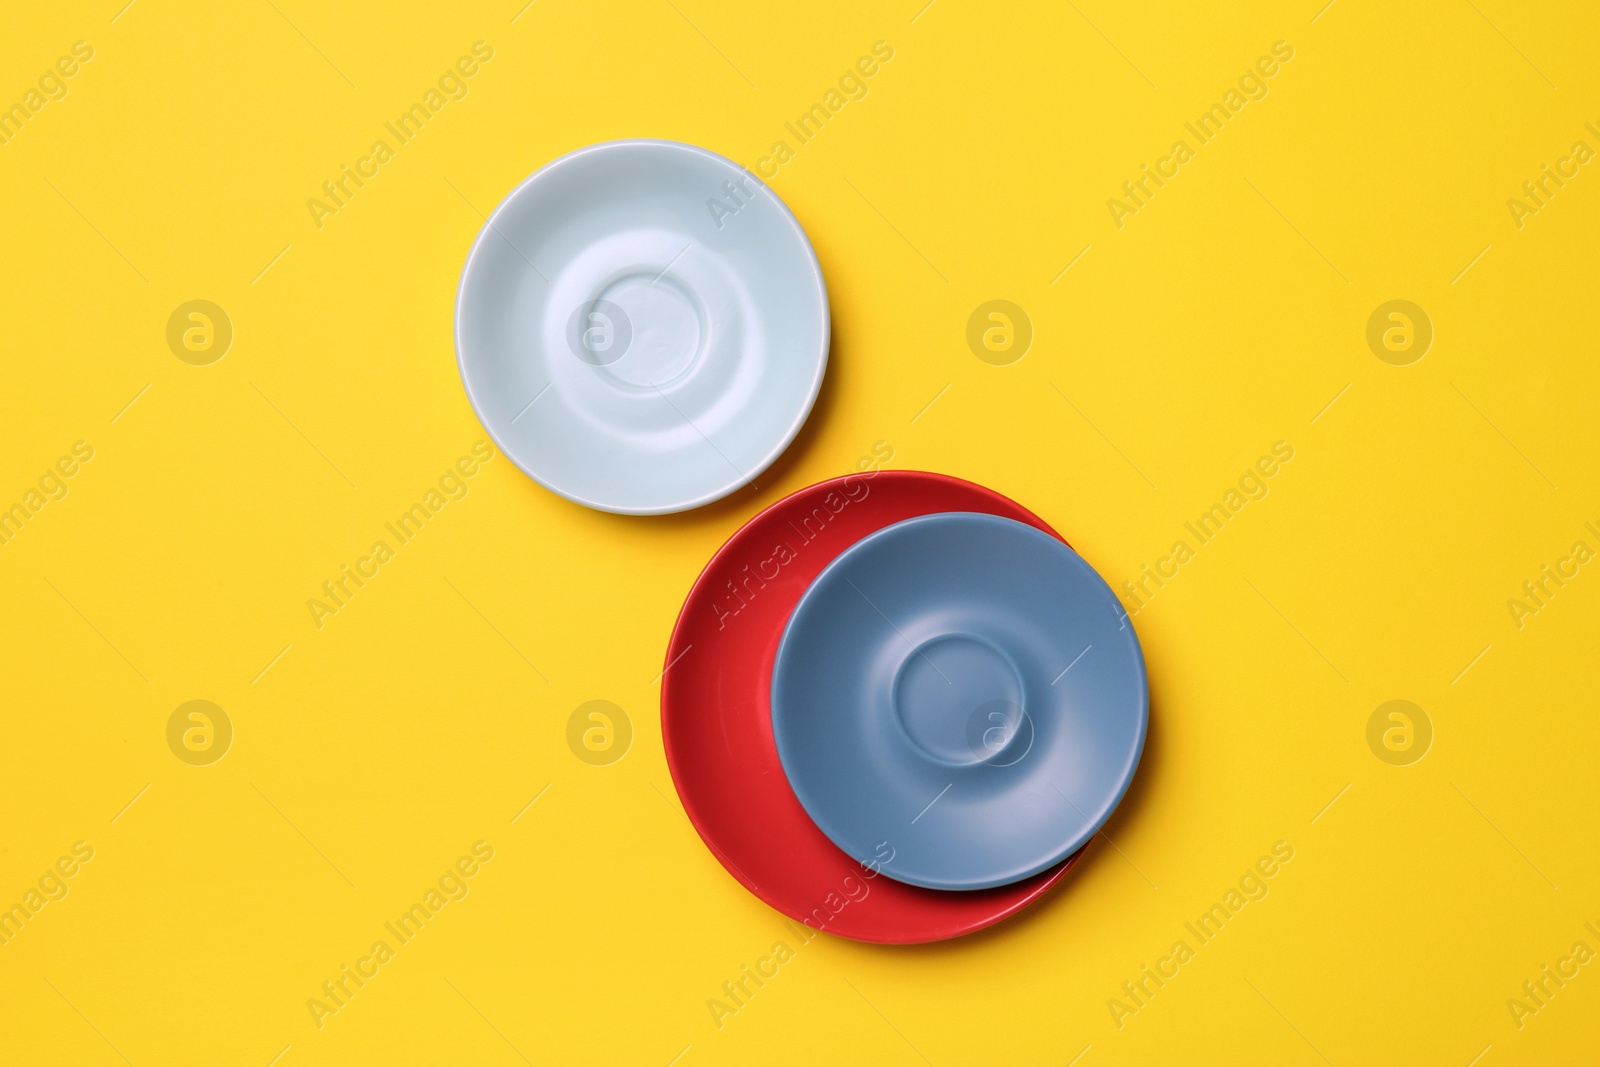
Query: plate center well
x,y
959,700
652,329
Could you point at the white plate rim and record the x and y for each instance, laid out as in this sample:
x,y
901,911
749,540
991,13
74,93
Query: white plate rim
x,y
790,432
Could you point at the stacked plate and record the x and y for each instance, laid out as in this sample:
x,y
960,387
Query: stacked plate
x,y
896,705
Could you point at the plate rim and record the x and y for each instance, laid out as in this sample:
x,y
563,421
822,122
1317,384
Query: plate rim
x,y
813,390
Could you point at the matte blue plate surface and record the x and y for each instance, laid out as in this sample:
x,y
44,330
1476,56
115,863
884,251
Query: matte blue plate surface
x,y
963,693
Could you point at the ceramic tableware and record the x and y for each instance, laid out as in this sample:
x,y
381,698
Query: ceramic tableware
x,y
966,687
717,728
642,326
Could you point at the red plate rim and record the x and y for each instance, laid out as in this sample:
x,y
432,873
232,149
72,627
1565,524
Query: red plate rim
x,y
911,914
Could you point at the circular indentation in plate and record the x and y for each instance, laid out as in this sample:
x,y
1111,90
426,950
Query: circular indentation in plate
x,y
664,322
999,733
599,332
942,684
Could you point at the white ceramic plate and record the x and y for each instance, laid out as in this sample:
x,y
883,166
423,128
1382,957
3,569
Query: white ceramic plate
x,y
642,326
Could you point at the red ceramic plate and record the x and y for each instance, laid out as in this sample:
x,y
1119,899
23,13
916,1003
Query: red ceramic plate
x,y
716,717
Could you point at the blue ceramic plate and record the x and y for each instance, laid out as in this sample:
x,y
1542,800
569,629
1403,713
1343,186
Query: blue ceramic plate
x,y
962,693
642,326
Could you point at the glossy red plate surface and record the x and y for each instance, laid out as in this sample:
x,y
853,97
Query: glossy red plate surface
x,y
716,718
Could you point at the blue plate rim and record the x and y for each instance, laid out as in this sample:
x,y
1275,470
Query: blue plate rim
x,y
1056,543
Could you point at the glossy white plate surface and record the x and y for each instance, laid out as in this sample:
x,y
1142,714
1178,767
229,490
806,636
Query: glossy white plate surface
x,y
642,326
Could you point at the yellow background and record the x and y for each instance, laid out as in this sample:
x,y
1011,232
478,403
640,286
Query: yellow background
x,y
1223,317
